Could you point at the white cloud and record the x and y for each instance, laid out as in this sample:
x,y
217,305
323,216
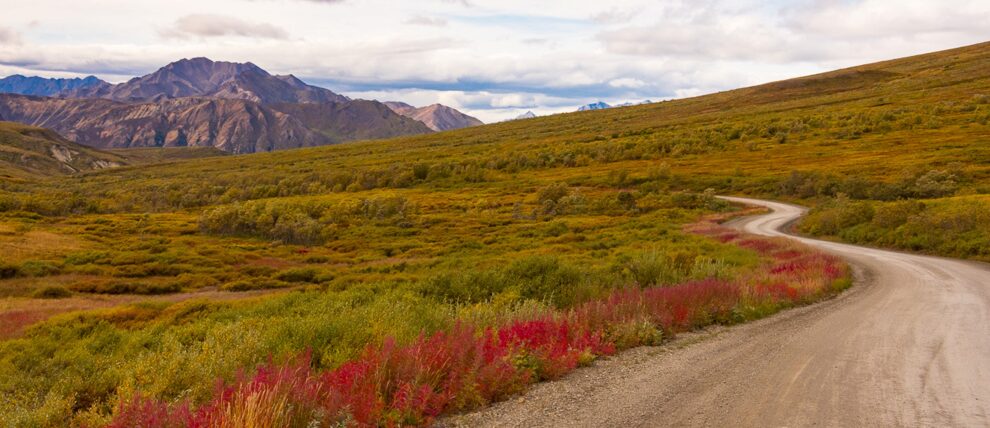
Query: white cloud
x,y
426,20
882,19
615,16
9,37
211,25
626,82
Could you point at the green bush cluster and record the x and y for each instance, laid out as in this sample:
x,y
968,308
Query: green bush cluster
x,y
254,284
958,227
655,267
306,222
29,268
934,183
542,278
117,286
52,292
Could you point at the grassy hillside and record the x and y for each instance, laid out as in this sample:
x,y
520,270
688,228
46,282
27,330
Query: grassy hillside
x,y
867,124
29,154
150,155
28,151
336,248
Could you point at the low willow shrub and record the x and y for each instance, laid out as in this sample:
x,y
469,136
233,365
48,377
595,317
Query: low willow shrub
x,y
955,227
464,365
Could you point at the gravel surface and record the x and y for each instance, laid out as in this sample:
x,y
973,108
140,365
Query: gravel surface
x,y
909,345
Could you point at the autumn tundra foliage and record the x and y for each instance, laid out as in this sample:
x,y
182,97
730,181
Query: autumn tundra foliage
x,y
465,364
305,284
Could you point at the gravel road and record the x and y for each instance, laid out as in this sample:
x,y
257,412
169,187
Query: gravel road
x,y
908,345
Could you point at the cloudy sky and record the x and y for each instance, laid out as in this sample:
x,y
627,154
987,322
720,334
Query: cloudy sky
x,y
492,59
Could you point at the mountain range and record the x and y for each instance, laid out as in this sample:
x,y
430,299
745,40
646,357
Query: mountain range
x,y
40,86
201,77
436,116
601,105
594,106
236,107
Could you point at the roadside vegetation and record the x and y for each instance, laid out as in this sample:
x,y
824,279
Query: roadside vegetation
x,y
388,282
956,227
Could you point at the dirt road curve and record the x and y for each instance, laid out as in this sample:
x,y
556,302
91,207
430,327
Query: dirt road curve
x,y
909,345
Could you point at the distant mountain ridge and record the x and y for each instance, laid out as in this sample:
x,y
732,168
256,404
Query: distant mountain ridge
x,y
236,107
601,105
594,106
528,115
40,86
633,104
202,77
436,116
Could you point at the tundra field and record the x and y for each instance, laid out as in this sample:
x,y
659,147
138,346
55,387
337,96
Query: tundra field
x,y
390,282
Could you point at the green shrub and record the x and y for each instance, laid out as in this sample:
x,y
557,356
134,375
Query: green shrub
x,y
706,200
9,271
52,292
958,227
706,267
549,198
895,214
37,268
936,184
317,259
540,278
543,278
466,287
101,286
258,270
150,269
555,228
254,284
87,257
651,268
298,275
304,222
193,281
839,214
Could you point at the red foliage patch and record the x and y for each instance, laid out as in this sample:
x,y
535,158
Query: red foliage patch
x,y
465,366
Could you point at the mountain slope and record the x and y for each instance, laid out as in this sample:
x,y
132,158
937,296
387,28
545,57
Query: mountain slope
x,y
436,116
202,77
238,108
41,86
28,150
354,120
235,126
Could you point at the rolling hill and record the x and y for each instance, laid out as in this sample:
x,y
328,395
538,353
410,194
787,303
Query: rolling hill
x,y
27,151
